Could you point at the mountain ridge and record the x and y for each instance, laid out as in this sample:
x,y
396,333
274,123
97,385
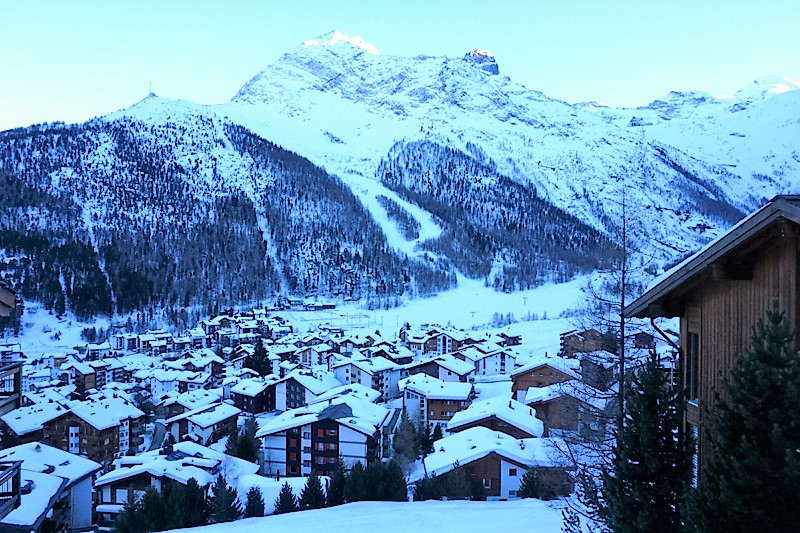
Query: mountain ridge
x,y
354,116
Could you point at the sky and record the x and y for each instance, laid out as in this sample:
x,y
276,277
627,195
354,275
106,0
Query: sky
x,y
71,60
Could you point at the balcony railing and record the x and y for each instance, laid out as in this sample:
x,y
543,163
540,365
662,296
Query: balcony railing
x,y
10,482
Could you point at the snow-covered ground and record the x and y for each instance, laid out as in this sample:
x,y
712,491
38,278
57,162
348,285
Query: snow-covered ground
x,y
531,516
470,306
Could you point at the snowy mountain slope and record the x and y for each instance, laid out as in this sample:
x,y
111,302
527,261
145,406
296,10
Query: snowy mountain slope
x,y
753,134
345,108
186,210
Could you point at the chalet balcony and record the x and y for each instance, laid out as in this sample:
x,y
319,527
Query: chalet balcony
x,y
10,485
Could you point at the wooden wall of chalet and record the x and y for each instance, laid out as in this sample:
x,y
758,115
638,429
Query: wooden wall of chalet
x,y
724,311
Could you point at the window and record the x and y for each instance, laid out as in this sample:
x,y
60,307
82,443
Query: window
x,y
320,432
320,446
307,435
332,432
487,483
293,456
512,494
292,442
512,471
320,460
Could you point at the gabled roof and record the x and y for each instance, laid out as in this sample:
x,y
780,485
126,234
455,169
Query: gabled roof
x,y
511,412
38,457
478,442
653,302
433,388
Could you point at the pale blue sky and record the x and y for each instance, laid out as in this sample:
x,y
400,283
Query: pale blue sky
x,y
72,60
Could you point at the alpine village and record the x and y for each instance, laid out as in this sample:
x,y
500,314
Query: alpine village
x,y
456,298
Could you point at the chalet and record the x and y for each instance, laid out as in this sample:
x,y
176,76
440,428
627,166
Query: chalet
x,y
498,461
127,342
428,399
133,475
489,359
571,409
378,373
174,404
28,423
255,395
204,425
56,490
8,299
575,341
314,354
599,369
98,429
544,372
499,414
300,388
443,367
720,293
189,381
312,438
97,351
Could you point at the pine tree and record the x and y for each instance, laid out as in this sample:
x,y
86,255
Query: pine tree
x,y
395,488
374,481
286,501
752,479
356,484
247,445
652,467
425,439
436,434
533,486
255,503
130,520
152,510
337,485
312,495
196,511
404,442
259,361
224,505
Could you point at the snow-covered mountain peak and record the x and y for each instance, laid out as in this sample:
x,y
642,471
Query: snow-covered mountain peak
x,y
484,60
335,37
767,86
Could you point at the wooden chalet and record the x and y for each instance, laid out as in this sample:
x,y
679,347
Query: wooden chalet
x,y
720,293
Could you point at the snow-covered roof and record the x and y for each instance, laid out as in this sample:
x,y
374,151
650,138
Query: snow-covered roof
x,y
318,383
509,411
253,386
570,367
34,504
454,364
356,390
33,418
106,413
433,388
208,415
188,460
577,389
198,398
476,443
376,364
38,457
